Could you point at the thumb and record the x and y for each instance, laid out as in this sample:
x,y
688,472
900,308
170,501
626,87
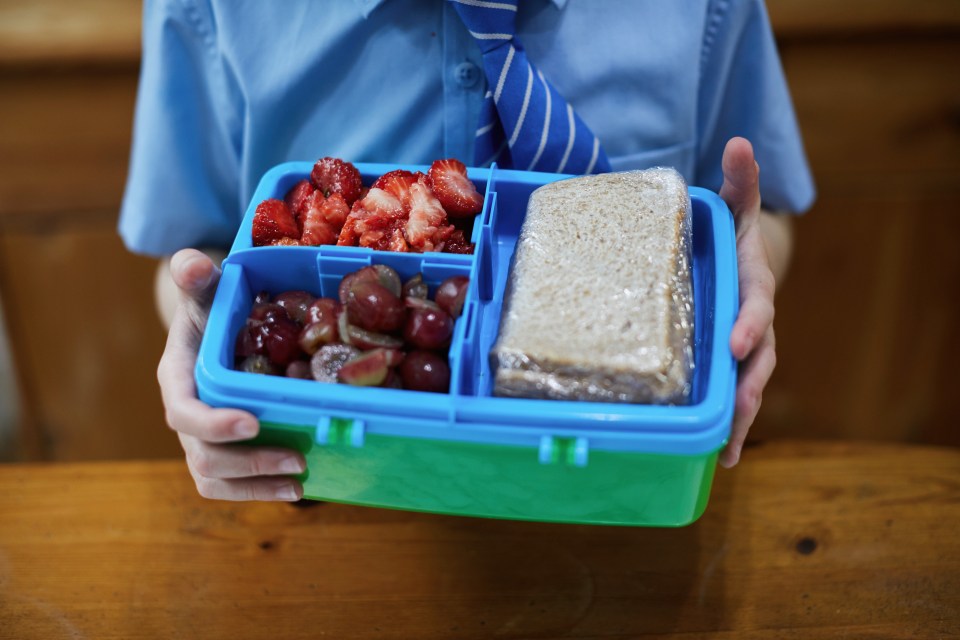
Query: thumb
x,y
741,181
195,275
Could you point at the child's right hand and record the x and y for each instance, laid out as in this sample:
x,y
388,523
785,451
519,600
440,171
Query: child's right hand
x,y
221,470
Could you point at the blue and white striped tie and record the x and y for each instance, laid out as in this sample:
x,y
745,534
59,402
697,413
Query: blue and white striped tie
x,y
524,122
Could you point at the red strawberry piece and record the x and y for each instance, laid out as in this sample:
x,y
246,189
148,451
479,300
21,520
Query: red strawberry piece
x,y
457,243
390,175
333,175
397,183
272,221
426,228
323,218
373,222
454,190
296,198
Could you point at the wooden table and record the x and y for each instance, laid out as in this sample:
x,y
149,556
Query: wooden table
x,y
802,540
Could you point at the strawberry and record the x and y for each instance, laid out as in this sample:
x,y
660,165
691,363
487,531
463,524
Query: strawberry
x,y
426,228
457,243
333,175
390,175
397,183
296,198
454,190
323,218
273,220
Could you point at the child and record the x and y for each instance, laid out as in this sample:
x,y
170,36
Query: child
x,y
229,89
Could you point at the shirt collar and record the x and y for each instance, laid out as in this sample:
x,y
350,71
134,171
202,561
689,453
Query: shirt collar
x,y
367,6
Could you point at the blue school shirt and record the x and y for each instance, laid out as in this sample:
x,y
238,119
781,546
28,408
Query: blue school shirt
x,y
229,88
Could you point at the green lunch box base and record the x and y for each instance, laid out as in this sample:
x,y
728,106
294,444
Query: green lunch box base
x,y
498,481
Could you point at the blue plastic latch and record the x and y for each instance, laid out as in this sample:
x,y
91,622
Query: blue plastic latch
x,y
340,430
357,431
564,450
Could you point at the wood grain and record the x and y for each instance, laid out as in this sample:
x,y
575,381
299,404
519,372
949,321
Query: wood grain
x,y
87,340
802,540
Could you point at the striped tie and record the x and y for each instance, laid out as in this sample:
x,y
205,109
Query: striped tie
x,y
524,122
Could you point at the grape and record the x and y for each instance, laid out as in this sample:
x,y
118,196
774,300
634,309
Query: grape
x,y
389,278
269,331
326,362
263,310
299,369
281,336
316,334
425,371
261,298
415,287
363,339
296,303
373,307
259,363
379,273
248,342
369,369
428,328
451,293
321,309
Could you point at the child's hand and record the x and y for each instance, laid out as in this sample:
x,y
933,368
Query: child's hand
x,y
221,470
752,340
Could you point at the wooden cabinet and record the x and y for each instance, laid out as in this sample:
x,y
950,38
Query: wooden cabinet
x,y
866,321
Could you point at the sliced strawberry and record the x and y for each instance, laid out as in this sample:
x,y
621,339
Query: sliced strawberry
x,y
454,190
333,175
372,221
397,183
296,198
335,210
426,228
323,218
390,175
457,243
273,220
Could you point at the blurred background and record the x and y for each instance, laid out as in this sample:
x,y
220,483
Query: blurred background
x,y
866,321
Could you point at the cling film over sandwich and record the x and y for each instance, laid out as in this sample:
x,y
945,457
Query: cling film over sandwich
x,y
599,304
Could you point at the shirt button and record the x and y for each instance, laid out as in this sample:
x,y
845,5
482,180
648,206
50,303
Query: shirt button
x,y
467,74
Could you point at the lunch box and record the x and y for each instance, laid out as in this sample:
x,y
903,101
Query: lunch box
x,y
467,452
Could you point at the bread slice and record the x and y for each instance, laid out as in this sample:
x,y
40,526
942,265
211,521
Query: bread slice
x,y
599,301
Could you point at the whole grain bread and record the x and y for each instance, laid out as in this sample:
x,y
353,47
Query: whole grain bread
x,y
599,301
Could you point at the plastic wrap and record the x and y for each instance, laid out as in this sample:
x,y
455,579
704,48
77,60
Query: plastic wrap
x,y
599,302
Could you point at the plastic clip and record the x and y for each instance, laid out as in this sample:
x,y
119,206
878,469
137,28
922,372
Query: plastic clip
x,y
340,430
565,450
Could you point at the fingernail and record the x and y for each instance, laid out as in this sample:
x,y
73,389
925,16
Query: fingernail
x,y
245,428
287,492
291,464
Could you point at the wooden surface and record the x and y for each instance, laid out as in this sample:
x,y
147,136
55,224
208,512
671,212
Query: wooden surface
x,y
801,541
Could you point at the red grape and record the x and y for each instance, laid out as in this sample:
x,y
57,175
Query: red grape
x,y
322,309
425,371
296,303
415,287
326,362
451,293
373,307
428,328
316,334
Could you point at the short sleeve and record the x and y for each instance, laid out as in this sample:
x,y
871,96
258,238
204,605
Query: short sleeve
x,y
744,93
181,186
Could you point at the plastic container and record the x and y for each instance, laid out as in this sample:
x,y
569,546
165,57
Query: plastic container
x,y
466,452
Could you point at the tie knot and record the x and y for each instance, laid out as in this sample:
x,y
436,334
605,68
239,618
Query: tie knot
x,y
490,23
